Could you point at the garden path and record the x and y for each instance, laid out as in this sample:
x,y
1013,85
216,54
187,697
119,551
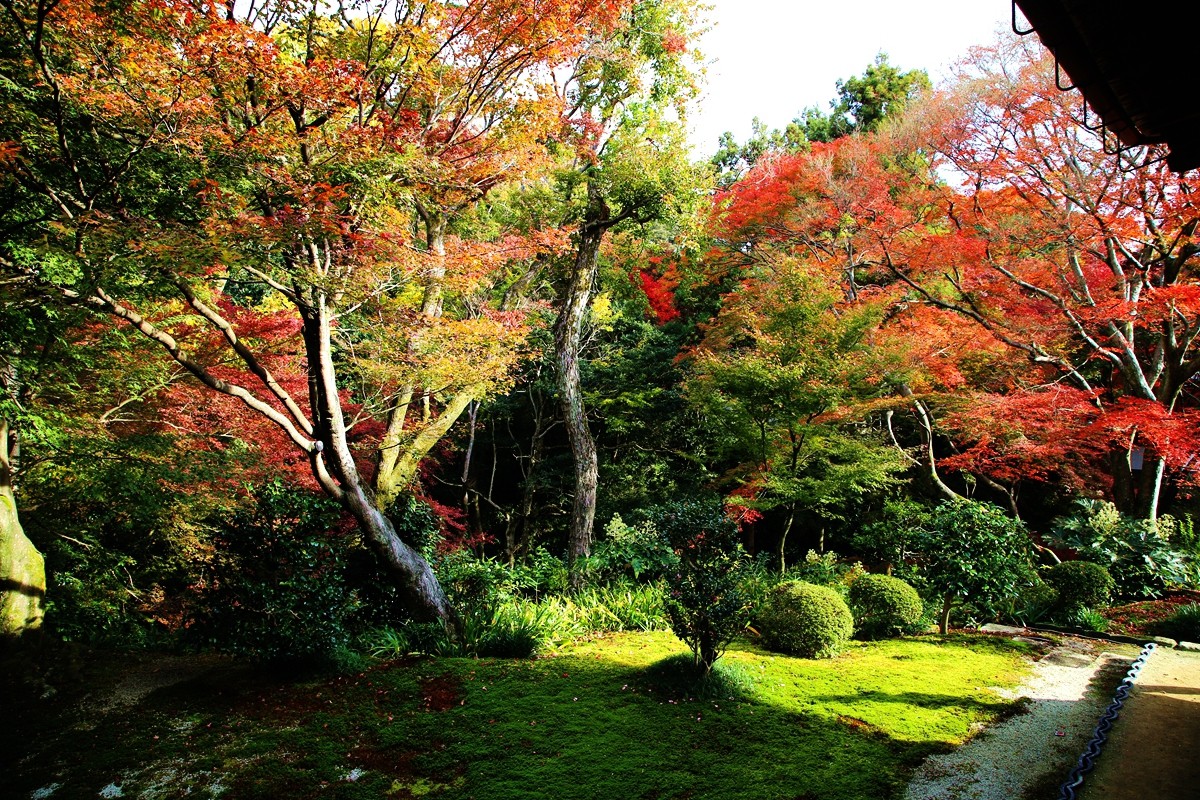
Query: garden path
x,y
1029,754
1151,752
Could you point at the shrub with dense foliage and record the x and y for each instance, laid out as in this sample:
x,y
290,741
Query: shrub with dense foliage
x,y
806,620
889,542
972,551
705,602
1183,625
278,589
884,606
519,627
1080,585
1033,602
1138,553
287,580
640,551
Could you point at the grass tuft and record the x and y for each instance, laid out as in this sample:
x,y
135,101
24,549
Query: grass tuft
x,y
679,677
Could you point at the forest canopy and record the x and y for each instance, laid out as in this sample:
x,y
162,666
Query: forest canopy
x,y
384,296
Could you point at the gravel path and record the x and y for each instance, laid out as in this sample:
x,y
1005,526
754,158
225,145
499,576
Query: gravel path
x,y
149,672
1032,751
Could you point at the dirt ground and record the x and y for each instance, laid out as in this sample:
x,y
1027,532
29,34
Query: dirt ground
x,y
1152,749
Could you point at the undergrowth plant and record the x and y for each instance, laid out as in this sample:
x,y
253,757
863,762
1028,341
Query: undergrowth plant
x,y
518,627
1138,553
704,602
639,551
825,569
1183,625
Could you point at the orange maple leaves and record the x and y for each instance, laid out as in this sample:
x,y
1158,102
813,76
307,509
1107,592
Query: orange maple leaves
x,y
1029,272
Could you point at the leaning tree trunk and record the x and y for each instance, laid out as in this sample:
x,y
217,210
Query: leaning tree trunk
x,y
323,438
412,574
568,335
22,570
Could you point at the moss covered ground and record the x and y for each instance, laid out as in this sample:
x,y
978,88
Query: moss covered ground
x,y
608,718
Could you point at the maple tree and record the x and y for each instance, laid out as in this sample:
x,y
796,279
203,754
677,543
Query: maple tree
x,y
994,210
1077,257
834,210
781,376
235,184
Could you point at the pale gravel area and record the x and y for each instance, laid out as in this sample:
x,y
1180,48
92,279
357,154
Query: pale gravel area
x,y
150,673
1035,748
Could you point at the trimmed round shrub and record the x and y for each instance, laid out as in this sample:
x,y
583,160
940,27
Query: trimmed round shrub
x,y
1080,584
805,620
884,606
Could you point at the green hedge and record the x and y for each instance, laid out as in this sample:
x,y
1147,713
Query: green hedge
x,y
805,620
884,606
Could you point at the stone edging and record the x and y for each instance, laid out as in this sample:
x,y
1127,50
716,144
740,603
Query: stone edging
x,y
1161,641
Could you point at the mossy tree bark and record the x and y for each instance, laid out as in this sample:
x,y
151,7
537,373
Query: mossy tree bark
x,y
568,337
22,569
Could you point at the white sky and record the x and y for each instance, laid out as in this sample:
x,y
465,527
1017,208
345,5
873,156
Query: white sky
x,y
773,58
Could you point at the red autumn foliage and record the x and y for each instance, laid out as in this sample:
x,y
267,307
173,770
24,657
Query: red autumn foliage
x,y
660,292
1042,291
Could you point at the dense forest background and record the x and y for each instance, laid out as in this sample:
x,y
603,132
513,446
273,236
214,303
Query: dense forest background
x,y
335,319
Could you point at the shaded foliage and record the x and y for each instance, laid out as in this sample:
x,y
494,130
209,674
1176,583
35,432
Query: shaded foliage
x,y
705,603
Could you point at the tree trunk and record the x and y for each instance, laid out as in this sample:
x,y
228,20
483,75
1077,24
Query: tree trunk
x,y
1122,486
926,422
1150,488
944,618
400,455
568,335
787,528
412,574
22,569
518,538
1137,493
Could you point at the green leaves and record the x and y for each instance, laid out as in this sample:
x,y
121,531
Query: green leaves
x,y
776,377
705,602
974,551
1138,553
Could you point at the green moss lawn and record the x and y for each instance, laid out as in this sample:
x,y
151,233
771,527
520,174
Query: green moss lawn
x,y
609,718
